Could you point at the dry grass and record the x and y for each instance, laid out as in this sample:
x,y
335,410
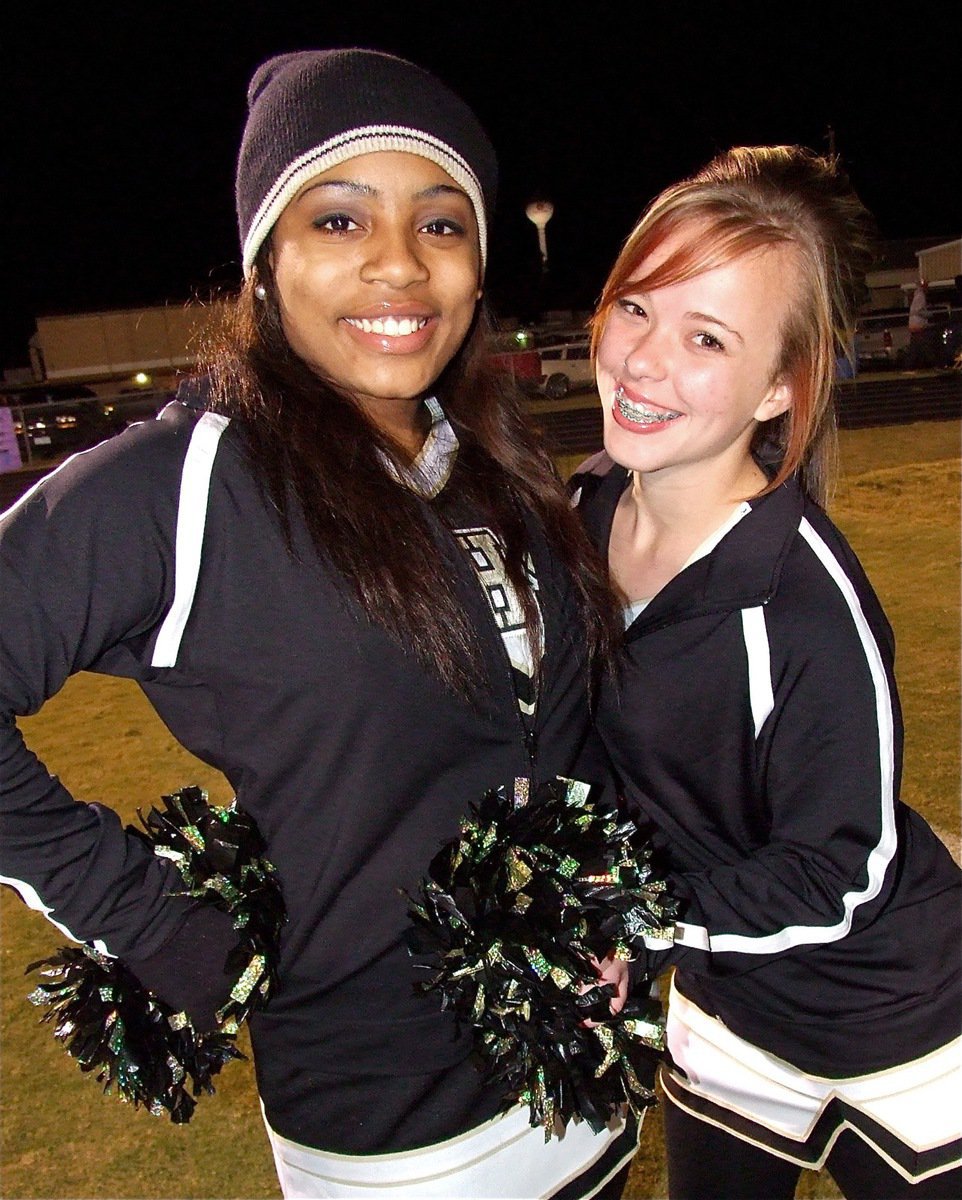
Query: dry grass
x,y
898,503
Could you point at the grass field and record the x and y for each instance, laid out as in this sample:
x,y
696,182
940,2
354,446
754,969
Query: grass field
x,y
898,502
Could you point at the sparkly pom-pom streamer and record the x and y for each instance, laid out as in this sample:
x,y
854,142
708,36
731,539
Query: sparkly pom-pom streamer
x,y
508,921
123,1034
128,1039
220,856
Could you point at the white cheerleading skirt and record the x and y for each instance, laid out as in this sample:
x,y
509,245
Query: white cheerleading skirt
x,y
504,1159
911,1114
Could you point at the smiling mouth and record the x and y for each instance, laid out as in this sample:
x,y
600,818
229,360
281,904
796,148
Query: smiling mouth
x,y
640,414
389,326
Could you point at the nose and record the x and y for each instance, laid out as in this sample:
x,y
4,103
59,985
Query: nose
x,y
644,358
393,257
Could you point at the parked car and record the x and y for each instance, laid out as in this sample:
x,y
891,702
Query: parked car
x,y
52,429
524,366
47,431
882,339
566,367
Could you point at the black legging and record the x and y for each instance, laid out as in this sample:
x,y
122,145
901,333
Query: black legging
x,y
705,1163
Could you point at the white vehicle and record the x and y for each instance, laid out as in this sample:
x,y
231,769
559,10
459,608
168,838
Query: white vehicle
x,y
882,338
566,367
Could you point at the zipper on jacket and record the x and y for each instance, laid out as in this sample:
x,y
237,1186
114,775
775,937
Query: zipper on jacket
x,y
531,747
528,735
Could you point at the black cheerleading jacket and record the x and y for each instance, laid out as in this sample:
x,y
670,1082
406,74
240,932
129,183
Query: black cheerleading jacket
x,y
756,725
154,556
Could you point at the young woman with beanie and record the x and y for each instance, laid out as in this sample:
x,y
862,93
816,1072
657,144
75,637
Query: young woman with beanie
x,y
814,1015
342,571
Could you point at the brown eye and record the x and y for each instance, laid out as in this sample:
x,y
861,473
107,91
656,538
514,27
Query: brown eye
x,y
443,227
335,223
632,308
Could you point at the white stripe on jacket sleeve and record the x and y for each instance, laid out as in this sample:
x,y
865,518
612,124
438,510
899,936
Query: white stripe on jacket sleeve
x,y
759,665
191,520
697,937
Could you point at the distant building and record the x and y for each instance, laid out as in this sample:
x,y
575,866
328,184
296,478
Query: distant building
x,y
120,350
902,263
941,265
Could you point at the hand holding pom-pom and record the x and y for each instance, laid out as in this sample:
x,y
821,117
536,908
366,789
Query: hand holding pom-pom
x,y
126,1035
517,920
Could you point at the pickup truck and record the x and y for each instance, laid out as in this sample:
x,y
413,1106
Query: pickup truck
x,y
882,339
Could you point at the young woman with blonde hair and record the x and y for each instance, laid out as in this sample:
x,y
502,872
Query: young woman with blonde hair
x,y
814,1016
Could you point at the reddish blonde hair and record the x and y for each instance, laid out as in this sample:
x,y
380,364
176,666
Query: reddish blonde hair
x,y
753,198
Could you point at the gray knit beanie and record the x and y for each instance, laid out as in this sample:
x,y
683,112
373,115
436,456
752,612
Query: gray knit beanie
x,y
313,109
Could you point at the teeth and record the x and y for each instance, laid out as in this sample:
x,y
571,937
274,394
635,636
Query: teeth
x,y
639,413
389,326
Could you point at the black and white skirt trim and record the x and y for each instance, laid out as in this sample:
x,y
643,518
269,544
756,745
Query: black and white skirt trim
x,y
504,1159
909,1114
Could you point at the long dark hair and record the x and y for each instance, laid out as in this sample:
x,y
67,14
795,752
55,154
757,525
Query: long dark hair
x,y
311,446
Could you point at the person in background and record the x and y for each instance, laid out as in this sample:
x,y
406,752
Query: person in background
x,y
344,572
919,320
814,1013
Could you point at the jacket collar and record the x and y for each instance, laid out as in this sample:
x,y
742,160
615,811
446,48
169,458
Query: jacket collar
x,y
432,468
742,571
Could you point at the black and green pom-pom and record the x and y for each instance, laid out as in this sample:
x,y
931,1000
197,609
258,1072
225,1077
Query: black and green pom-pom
x,y
130,1040
507,922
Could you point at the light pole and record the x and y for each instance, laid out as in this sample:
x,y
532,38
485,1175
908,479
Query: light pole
x,y
539,213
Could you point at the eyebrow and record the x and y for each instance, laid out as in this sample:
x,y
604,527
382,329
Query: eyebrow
x,y
365,189
700,316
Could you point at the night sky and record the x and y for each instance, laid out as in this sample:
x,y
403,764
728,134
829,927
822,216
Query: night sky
x,y
122,127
